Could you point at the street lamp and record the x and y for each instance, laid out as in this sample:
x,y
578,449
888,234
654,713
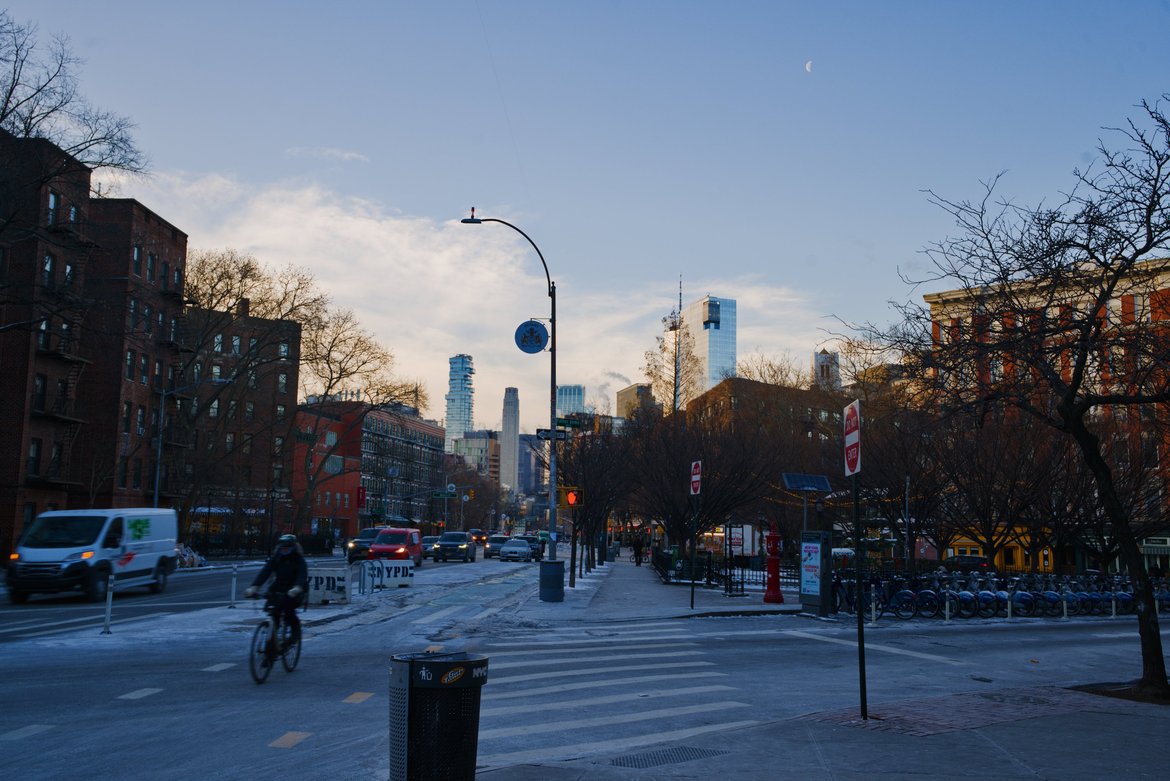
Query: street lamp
x,y
162,422
552,587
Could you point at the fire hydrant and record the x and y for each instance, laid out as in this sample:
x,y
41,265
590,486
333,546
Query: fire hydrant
x,y
772,583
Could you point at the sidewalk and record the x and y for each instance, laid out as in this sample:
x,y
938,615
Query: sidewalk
x,y
1044,732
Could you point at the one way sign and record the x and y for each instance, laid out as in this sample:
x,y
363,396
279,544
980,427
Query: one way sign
x,y
696,476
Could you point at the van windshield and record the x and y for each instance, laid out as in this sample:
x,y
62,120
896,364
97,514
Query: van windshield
x,y
63,531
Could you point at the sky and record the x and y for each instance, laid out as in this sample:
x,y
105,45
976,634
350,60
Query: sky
x,y
777,153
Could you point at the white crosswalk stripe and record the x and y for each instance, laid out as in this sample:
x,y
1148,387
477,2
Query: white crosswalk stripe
x,y
595,689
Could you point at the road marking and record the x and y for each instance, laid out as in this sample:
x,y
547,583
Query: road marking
x,y
139,694
533,707
23,625
664,634
485,613
218,668
99,624
874,647
289,739
358,697
493,695
607,746
561,651
607,657
595,670
612,718
26,732
429,619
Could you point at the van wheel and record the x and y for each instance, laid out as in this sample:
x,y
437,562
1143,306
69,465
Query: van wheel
x,y
17,597
96,586
160,579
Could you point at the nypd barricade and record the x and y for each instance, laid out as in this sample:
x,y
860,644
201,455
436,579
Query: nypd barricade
x,y
386,573
329,586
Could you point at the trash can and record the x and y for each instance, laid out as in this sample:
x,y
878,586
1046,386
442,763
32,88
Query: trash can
x,y
434,715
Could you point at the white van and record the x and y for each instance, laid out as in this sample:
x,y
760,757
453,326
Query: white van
x,y
79,549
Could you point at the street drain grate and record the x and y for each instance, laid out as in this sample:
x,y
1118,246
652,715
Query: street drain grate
x,y
668,756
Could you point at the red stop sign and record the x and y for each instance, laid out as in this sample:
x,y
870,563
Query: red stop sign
x,y
853,438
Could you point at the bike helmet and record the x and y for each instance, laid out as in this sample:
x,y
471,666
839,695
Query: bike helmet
x,y
286,544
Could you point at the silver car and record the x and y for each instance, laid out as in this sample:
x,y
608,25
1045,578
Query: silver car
x,y
515,549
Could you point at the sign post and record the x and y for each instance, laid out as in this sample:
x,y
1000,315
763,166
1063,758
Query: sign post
x,y
696,485
852,467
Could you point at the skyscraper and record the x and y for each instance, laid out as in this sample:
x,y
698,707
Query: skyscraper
x,y
510,442
460,400
570,399
710,321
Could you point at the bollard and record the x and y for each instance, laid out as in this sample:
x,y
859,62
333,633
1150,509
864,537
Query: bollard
x,y
1114,601
232,602
872,607
109,603
946,607
1064,606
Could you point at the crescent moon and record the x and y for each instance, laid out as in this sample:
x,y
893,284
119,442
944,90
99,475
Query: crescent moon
x,y
808,67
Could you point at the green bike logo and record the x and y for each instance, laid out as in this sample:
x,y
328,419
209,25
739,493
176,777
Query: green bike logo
x,y
139,528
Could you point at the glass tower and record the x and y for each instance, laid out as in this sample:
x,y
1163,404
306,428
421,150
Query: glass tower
x,y
711,323
460,400
570,399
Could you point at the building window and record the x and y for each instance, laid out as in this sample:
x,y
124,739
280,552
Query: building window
x,y
280,412
249,410
157,373
147,322
213,409
34,456
282,350
143,368
252,344
54,204
277,446
40,390
133,313
217,343
246,446
282,383
151,265
252,379
235,345
229,441
231,412
216,371
137,475
127,412
277,474
136,263
43,334
48,269
165,277
141,420
130,365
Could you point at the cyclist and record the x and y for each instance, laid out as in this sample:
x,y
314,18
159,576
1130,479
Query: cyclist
x,y
290,580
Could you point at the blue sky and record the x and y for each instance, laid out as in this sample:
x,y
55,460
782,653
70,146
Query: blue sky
x,y
635,142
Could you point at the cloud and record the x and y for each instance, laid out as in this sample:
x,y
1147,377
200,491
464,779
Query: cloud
x,y
429,289
327,153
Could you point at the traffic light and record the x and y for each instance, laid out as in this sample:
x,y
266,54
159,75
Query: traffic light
x,y
471,494
570,498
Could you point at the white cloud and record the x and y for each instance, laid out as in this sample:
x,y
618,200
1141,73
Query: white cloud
x,y
430,289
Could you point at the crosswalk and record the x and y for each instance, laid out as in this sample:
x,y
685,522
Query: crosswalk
x,y
580,691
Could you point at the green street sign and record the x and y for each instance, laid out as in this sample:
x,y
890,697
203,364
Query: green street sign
x,y
443,495
569,422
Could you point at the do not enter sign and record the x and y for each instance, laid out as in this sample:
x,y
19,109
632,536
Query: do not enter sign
x,y
853,438
696,476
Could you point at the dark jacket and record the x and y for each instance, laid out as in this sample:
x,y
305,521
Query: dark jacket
x,y
289,570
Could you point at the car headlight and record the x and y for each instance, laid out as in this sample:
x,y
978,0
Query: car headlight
x,y
351,543
464,545
85,554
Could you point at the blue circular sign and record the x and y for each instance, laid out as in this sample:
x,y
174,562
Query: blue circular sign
x,y
532,336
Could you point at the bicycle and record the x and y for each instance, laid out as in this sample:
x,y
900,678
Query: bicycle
x,y
266,649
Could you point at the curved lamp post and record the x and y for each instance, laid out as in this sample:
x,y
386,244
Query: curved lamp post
x,y
552,587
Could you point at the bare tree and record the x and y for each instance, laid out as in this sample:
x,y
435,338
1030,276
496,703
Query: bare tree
x,y
673,369
782,370
1060,312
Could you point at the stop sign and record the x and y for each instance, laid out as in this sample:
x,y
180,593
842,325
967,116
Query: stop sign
x,y
853,438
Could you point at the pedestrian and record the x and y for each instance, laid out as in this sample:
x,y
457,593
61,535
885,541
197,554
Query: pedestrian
x,y
638,550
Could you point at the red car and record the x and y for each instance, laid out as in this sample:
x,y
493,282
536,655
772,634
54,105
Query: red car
x,y
398,544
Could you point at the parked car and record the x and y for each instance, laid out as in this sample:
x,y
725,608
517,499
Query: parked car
x,y
455,545
429,543
359,546
515,549
397,544
491,546
535,543
966,563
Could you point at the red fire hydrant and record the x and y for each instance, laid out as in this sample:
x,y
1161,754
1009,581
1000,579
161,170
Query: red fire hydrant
x,y
772,583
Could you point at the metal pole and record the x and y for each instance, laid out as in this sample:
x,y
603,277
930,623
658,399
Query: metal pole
x,y
109,603
552,420
860,609
235,572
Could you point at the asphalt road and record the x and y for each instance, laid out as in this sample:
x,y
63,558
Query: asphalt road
x,y
177,702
